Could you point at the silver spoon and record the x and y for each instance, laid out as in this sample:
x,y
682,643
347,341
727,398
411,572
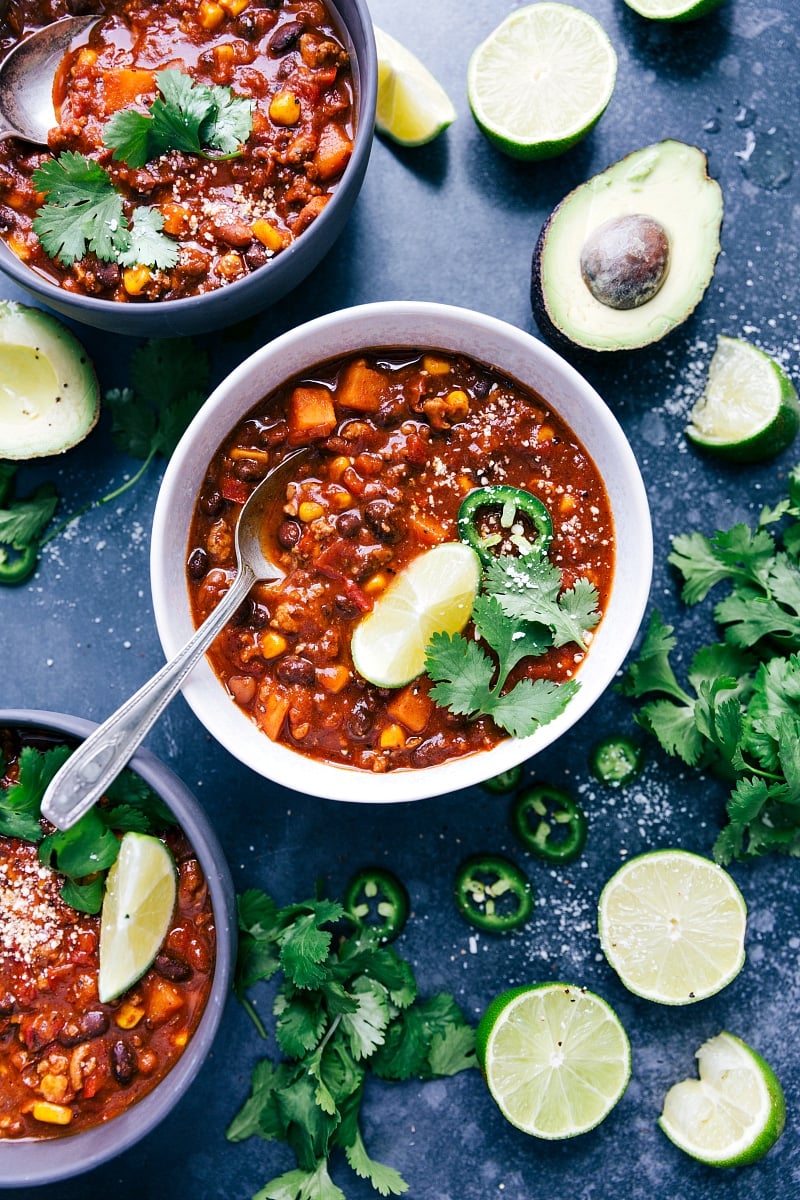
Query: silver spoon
x,y
87,773
27,75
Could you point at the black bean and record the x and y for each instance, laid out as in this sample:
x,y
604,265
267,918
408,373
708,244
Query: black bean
x,y
70,1034
432,751
361,719
348,523
124,1062
383,521
289,534
345,606
197,563
210,501
294,669
249,469
285,37
94,1023
256,256
172,968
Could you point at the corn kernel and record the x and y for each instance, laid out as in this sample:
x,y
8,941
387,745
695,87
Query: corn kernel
x,y
20,248
230,265
392,738
136,279
180,1039
54,1088
340,499
376,583
338,467
176,217
458,403
284,108
210,15
271,644
129,1016
267,234
51,1114
309,510
546,433
465,484
568,503
434,365
234,7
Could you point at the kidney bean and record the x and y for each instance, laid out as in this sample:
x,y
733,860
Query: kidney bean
x,y
294,669
124,1063
197,563
170,967
285,37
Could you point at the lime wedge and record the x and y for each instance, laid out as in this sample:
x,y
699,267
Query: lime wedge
x,y
734,1113
672,926
434,594
541,80
413,107
749,411
673,10
137,909
555,1057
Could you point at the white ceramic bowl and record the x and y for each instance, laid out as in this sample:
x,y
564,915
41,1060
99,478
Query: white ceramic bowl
x,y
419,325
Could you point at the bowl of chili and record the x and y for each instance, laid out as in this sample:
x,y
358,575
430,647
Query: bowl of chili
x,y
204,161
428,425
85,1080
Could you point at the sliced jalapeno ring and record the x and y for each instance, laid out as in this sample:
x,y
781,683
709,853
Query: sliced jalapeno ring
x,y
17,569
616,760
505,781
376,899
492,893
549,823
522,520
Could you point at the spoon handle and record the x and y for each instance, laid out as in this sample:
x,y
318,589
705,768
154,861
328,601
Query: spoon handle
x,y
87,773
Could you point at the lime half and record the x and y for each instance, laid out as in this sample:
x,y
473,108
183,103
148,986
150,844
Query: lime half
x,y
541,80
749,411
413,107
555,1057
734,1113
673,10
137,909
672,926
434,594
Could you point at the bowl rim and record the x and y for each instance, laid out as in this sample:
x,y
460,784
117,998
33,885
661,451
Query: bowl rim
x,y
310,344
48,1160
174,317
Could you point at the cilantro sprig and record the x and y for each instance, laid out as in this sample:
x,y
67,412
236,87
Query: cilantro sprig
x,y
84,853
521,612
22,522
347,1006
739,711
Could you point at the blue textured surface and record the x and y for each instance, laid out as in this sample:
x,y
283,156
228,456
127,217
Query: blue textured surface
x,y
456,222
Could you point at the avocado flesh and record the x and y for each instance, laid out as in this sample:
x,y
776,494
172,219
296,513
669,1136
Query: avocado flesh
x,y
667,181
49,394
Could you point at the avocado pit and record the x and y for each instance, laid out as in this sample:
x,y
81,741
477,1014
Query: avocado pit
x,y
625,261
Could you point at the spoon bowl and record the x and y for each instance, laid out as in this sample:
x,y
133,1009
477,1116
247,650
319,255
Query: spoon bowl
x,y
89,771
27,75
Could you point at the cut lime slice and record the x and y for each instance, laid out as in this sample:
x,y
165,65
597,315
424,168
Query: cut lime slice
x,y
673,10
434,594
672,926
138,905
541,80
749,411
555,1057
734,1113
413,107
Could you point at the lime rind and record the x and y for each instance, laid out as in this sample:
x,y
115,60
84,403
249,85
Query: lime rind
x,y
541,80
749,411
674,10
555,1057
672,926
412,106
733,1113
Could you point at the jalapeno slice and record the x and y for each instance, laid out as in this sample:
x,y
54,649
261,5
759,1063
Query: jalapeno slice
x,y
492,516
549,823
17,569
492,893
505,781
376,899
616,760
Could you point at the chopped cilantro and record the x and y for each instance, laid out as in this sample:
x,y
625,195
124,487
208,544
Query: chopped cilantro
x,y
187,116
739,713
22,522
521,612
343,1009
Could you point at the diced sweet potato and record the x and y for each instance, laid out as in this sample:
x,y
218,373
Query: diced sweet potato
x,y
311,415
333,152
163,1002
123,86
361,388
412,707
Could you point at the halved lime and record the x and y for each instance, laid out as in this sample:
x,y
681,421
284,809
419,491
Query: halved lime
x,y
673,10
434,594
734,1113
137,909
555,1057
541,80
413,107
749,411
672,926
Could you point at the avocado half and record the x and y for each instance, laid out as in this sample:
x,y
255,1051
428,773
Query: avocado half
x,y
628,255
49,394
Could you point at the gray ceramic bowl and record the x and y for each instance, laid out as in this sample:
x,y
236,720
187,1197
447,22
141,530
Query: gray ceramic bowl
x,y
252,293
46,1161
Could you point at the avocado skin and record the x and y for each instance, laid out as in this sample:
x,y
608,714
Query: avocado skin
x,y
543,316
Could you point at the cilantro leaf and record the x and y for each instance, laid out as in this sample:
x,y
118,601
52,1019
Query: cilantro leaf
x,y
462,673
147,243
230,122
302,1185
452,1050
83,211
364,1028
23,522
529,589
532,703
20,803
385,1180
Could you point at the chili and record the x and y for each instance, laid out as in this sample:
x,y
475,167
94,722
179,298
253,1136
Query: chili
x,y
377,899
522,523
505,781
20,567
492,893
549,823
616,760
